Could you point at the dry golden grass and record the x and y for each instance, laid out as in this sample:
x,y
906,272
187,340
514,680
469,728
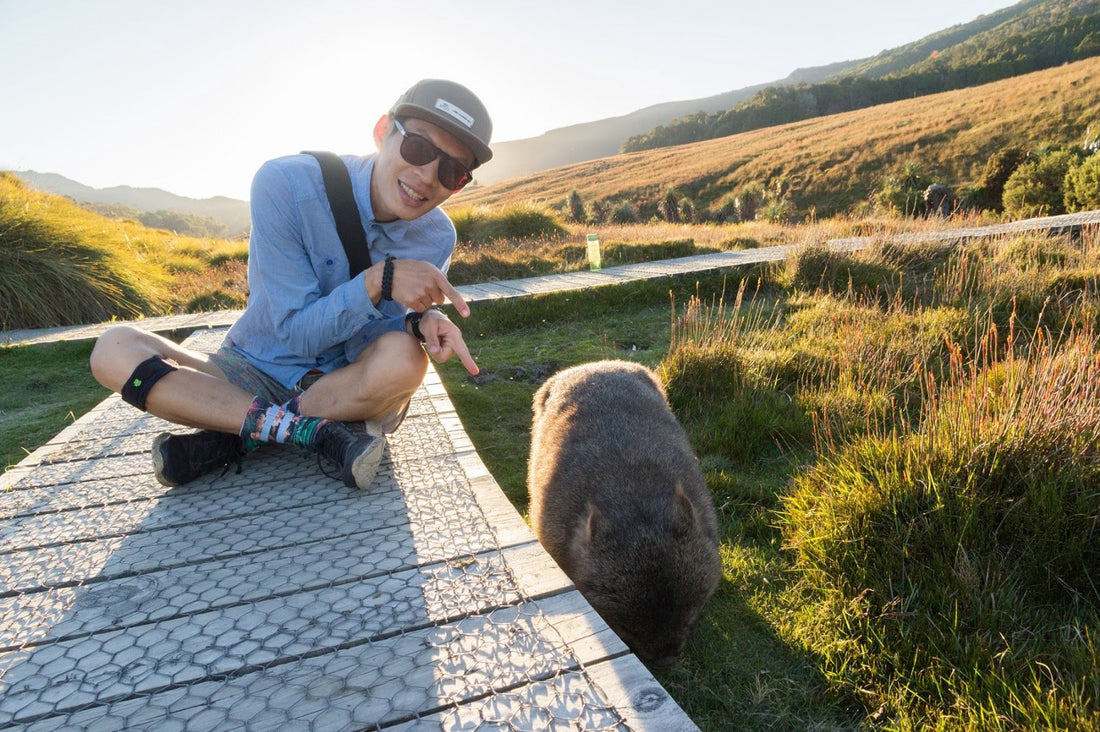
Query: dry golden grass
x,y
835,161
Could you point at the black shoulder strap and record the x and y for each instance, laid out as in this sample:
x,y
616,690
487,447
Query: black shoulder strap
x,y
342,202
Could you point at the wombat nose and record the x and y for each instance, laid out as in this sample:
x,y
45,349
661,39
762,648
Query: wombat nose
x,y
663,663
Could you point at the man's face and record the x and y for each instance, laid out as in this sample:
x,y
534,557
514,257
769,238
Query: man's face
x,y
400,190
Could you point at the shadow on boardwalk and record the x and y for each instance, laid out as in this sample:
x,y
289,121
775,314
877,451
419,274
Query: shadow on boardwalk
x,y
279,598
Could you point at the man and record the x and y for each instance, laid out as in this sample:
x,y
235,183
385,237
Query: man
x,y
313,349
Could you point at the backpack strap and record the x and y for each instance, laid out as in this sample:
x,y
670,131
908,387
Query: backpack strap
x,y
341,200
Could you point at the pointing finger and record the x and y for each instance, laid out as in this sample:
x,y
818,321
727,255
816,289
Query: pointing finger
x,y
456,299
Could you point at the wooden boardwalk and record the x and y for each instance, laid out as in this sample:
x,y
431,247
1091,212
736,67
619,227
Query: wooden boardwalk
x,y
280,599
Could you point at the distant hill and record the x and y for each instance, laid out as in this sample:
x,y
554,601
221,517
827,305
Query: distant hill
x,y
831,164
1007,42
602,138
1029,36
232,213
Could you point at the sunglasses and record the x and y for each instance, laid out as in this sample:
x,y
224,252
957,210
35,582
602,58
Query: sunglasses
x,y
419,150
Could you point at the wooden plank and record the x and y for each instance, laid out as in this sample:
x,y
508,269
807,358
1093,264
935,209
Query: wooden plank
x,y
351,685
632,691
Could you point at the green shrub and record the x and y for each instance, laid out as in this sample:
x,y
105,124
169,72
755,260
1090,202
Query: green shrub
x,y
669,207
989,192
516,222
688,213
624,213
1035,187
575,205
748,200
902,192
1082,185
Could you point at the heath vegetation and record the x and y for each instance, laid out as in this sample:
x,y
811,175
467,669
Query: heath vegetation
x,y
904,446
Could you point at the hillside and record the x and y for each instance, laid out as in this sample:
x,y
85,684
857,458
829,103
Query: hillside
x,y
1024,37
1030,36
601,138
591,140
831,163
232,213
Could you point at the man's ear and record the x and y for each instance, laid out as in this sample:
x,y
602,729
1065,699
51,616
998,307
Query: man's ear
x,y
381,127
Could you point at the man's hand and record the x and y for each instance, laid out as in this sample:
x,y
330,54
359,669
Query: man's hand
x,y
417,285
443,339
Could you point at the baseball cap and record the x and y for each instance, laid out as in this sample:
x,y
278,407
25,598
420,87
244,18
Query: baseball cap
x,y
454,108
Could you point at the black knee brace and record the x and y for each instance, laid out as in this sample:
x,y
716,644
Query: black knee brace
x,y
136,389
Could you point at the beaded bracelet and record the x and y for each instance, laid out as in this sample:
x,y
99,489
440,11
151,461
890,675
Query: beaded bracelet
x,y
387,278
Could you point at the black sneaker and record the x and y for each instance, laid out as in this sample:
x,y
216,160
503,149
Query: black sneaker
x,y
179,459
356,454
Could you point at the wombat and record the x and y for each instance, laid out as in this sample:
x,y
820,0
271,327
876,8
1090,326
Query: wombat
x,y
618,500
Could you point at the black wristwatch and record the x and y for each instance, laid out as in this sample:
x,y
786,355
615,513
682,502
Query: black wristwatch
x,y
412,324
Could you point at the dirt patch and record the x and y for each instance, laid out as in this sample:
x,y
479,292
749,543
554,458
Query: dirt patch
x,y
531,372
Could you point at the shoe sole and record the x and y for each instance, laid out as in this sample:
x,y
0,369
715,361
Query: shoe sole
x,y
366,465
391,423
158,460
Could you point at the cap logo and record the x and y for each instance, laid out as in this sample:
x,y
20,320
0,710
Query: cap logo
x,y
447,108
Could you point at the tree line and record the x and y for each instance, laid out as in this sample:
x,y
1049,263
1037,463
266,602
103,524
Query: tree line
x,y
985,58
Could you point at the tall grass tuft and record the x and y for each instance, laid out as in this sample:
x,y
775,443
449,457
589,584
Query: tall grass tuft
x,y
1031,278
957,557
62,265
57,268
479,225
735,413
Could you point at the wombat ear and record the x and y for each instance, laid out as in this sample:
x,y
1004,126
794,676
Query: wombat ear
x,y
538,401
592,524
683,510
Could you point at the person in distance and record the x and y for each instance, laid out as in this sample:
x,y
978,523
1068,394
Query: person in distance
x,y
315,350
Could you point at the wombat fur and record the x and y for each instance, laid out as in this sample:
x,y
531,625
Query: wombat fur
x,y
619,502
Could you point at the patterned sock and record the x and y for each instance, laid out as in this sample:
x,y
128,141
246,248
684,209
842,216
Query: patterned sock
x,y
267,422
294,405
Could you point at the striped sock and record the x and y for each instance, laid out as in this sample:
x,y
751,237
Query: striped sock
x,y
266,422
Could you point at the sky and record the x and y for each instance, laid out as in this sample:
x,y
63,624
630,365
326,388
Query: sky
x,y
191,96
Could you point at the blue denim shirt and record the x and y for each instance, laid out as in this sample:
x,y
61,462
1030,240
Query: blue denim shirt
x,y
303,312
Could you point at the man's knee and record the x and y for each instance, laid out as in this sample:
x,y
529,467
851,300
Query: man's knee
x,y
116,353
399,358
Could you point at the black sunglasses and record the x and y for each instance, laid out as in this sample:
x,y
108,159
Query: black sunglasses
x,y
419,150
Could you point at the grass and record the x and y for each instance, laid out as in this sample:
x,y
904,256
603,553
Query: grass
x,y
63,265
901,444
46,388
906,477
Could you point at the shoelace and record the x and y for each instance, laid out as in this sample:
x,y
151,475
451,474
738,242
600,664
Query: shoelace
x,y
239,460
320,463
321,467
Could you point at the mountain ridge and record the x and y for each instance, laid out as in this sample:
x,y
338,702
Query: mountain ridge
x,y
231,212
